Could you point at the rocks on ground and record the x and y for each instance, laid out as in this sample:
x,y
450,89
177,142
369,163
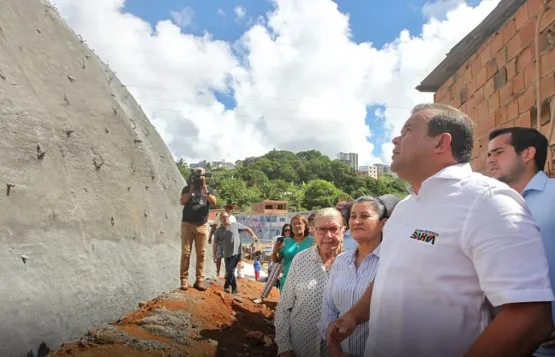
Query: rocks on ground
x,y
187,323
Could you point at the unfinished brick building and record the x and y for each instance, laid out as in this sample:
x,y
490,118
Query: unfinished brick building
x,y
502,72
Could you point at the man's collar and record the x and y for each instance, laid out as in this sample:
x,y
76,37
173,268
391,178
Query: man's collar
x,y
537,183
451,172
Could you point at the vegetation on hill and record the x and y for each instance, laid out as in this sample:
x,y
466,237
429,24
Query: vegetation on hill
x,y
307,180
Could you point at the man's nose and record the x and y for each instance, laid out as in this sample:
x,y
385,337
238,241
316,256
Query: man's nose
x,y
395,140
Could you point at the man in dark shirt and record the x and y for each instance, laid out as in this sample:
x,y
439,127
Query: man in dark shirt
x,y
194,227
227,236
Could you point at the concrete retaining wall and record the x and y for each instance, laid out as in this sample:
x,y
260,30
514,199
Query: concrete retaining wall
x,y
89,193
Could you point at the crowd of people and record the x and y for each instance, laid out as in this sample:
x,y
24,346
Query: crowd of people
x,y
463,266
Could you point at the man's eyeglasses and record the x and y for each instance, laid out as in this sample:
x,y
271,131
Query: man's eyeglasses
x,y
324,230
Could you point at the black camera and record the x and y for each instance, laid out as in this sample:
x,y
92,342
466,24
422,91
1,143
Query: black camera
x,y
196,177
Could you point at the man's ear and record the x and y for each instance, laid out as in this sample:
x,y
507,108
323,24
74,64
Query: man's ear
x,y
528,154
442,143
382,223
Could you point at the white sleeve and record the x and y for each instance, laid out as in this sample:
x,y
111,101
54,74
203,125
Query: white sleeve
x,y
503,242
283,311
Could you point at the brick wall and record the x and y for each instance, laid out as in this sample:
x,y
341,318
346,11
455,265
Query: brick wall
x,y
495,87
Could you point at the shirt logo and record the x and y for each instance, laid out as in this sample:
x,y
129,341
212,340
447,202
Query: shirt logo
x,y
425,236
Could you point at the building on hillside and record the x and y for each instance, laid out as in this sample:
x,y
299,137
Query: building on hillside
x,y
368,171
375,171
222,164
491,74
349,158
270,207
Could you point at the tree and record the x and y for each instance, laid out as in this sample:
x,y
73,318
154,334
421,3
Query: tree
x,y
321,193
183,168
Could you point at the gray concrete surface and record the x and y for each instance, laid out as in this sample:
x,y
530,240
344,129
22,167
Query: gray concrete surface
x,y
89,211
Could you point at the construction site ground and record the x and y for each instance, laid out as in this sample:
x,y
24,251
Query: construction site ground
x,y
187,323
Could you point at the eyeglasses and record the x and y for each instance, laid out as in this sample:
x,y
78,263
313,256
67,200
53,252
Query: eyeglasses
x,y
287,230
324,230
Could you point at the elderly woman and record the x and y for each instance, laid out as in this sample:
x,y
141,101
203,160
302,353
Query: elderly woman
x,y
354,270
299,309
286,249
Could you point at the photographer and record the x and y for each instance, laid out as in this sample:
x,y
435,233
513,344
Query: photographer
x,y
196,198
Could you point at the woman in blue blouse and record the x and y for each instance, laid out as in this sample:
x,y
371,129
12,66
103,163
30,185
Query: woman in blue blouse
x,y
285,251
354,270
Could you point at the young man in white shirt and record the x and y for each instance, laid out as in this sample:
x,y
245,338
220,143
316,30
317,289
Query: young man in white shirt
x,y
457,239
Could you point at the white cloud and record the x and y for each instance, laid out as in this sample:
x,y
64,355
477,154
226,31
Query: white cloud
x,y
239,12
439,9
221,12
298,79
183,18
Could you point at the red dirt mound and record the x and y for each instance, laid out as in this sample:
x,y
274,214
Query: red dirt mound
x,y
187,323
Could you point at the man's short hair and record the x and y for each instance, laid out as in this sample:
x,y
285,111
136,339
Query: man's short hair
x,y
450,120
522,138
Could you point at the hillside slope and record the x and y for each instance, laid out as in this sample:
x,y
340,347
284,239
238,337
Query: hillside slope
x,y
90,216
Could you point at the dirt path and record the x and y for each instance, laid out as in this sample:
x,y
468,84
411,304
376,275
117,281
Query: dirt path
x,y
187,323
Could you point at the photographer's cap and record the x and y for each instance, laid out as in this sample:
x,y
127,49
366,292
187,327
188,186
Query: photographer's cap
x,y
199,171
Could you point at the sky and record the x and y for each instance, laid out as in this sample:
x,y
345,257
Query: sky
x,y
230,79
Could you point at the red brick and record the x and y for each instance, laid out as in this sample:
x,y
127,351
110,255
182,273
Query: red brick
x,y
493,102
521,16
511,69
524,59
482,110
481,77
485,55
514,46
488,88
479,96
530,75
475,67
512,109
508,124
534,7
496,44
528,32
491,68
547,86
485,125
527,99
505,94
518,83
524,120
501,57
500,116
547,19
472,87
548,62
508,31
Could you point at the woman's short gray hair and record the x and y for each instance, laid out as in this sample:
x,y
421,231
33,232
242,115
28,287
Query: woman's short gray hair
x,y
330,212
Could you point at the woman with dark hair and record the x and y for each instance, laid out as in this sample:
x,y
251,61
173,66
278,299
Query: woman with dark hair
x,y
274,269
354,270
286,249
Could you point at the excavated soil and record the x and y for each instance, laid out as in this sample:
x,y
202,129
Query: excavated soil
x,y
187,323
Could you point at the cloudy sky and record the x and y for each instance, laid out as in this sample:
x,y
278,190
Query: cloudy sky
x,y
228,79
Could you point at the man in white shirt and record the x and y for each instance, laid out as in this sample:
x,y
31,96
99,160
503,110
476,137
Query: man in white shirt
x,y
457,239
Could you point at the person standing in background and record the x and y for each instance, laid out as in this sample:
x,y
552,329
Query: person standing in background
x,y
257,267
516,156
217,251
196,199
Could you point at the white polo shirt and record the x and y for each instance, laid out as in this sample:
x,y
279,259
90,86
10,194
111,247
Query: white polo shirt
x,y
463,238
